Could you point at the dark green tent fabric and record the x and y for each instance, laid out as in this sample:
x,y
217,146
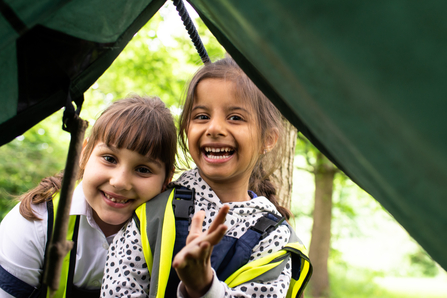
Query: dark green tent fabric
x,y
363,80
50,49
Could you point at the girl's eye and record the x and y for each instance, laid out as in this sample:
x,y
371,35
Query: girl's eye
x,y
109,159
201,117
144,170
235,118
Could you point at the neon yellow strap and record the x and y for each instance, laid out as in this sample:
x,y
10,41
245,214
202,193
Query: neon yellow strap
x,y
260,266
295,285
167,247
141,213
254,269
297,248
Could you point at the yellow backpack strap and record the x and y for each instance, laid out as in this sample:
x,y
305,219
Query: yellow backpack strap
x,y
157,228
301,269
262,269
140,212
270,267
61,292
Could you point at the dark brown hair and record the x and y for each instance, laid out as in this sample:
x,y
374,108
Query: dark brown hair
x,y
268,119
141,124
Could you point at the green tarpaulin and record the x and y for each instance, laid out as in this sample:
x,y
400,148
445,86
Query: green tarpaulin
x,y
363,80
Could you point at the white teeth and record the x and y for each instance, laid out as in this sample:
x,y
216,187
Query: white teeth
x,y
217,150
217,157
115,200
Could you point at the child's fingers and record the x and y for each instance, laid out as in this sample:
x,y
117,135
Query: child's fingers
x,y
192,254
196,226
214,237
198,244
216,231
219,219
200,249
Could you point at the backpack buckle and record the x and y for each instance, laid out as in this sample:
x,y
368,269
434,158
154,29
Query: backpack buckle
x,y
266,224
183,203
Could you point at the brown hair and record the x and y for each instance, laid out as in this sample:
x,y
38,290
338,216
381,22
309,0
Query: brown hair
x,y
268,119
141,124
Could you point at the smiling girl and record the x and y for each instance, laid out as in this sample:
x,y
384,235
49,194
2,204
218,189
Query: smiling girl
x,y
128,159
239,244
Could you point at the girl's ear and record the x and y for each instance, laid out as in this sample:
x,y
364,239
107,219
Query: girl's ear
x,y
168,179
271,139
84,144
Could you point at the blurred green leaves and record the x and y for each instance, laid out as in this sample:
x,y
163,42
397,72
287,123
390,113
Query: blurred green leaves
x,y
38,153
158,61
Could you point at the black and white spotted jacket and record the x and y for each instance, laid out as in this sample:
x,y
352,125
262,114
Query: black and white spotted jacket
x,y
126,273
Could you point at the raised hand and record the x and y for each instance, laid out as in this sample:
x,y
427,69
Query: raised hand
x,y
193,262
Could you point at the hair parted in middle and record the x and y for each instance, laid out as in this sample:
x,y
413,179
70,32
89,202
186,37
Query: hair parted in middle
x,y
268,120
139,123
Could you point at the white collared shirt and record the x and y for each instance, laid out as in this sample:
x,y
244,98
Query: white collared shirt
x,y
22,245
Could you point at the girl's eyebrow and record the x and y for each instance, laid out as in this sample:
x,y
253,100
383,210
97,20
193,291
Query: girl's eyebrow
x,y
147,158
199,107
237,108
234,108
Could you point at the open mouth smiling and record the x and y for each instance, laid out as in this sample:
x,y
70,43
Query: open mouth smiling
x,y
115,200
218,153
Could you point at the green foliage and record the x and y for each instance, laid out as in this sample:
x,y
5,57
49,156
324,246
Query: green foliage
x,y
352,282
145,67
39,153
422,264
157,62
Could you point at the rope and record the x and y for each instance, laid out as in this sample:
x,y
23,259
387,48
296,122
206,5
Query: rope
x,y
183,13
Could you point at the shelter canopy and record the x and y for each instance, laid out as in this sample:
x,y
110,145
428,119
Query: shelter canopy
x,y
364,81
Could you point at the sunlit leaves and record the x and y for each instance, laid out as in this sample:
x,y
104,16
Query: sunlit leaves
x,y
158,61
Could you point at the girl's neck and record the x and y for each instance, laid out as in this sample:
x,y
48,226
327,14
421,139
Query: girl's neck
x,y
106,228
230,192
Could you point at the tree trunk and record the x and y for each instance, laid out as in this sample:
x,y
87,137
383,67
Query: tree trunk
x,y
321,230
283,177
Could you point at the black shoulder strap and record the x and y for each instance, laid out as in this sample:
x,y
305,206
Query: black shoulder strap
x,y
183,203
69,290
50,223
183,206
42,291
72,265
231,253
137,220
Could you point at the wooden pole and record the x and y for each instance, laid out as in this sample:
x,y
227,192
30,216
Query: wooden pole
x,y
59,246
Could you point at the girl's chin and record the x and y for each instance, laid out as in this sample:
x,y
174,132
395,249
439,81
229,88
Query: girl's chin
x,y
116,220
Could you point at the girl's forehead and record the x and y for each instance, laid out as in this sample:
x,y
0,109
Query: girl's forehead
x,y
214,91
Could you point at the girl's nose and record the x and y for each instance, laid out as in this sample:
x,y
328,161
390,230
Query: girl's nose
x,y
121,180
216,127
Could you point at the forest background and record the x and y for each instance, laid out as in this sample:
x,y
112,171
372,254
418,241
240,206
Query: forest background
x,y
370,255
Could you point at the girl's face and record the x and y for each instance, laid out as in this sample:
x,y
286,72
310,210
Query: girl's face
x,y
116,181
223,137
